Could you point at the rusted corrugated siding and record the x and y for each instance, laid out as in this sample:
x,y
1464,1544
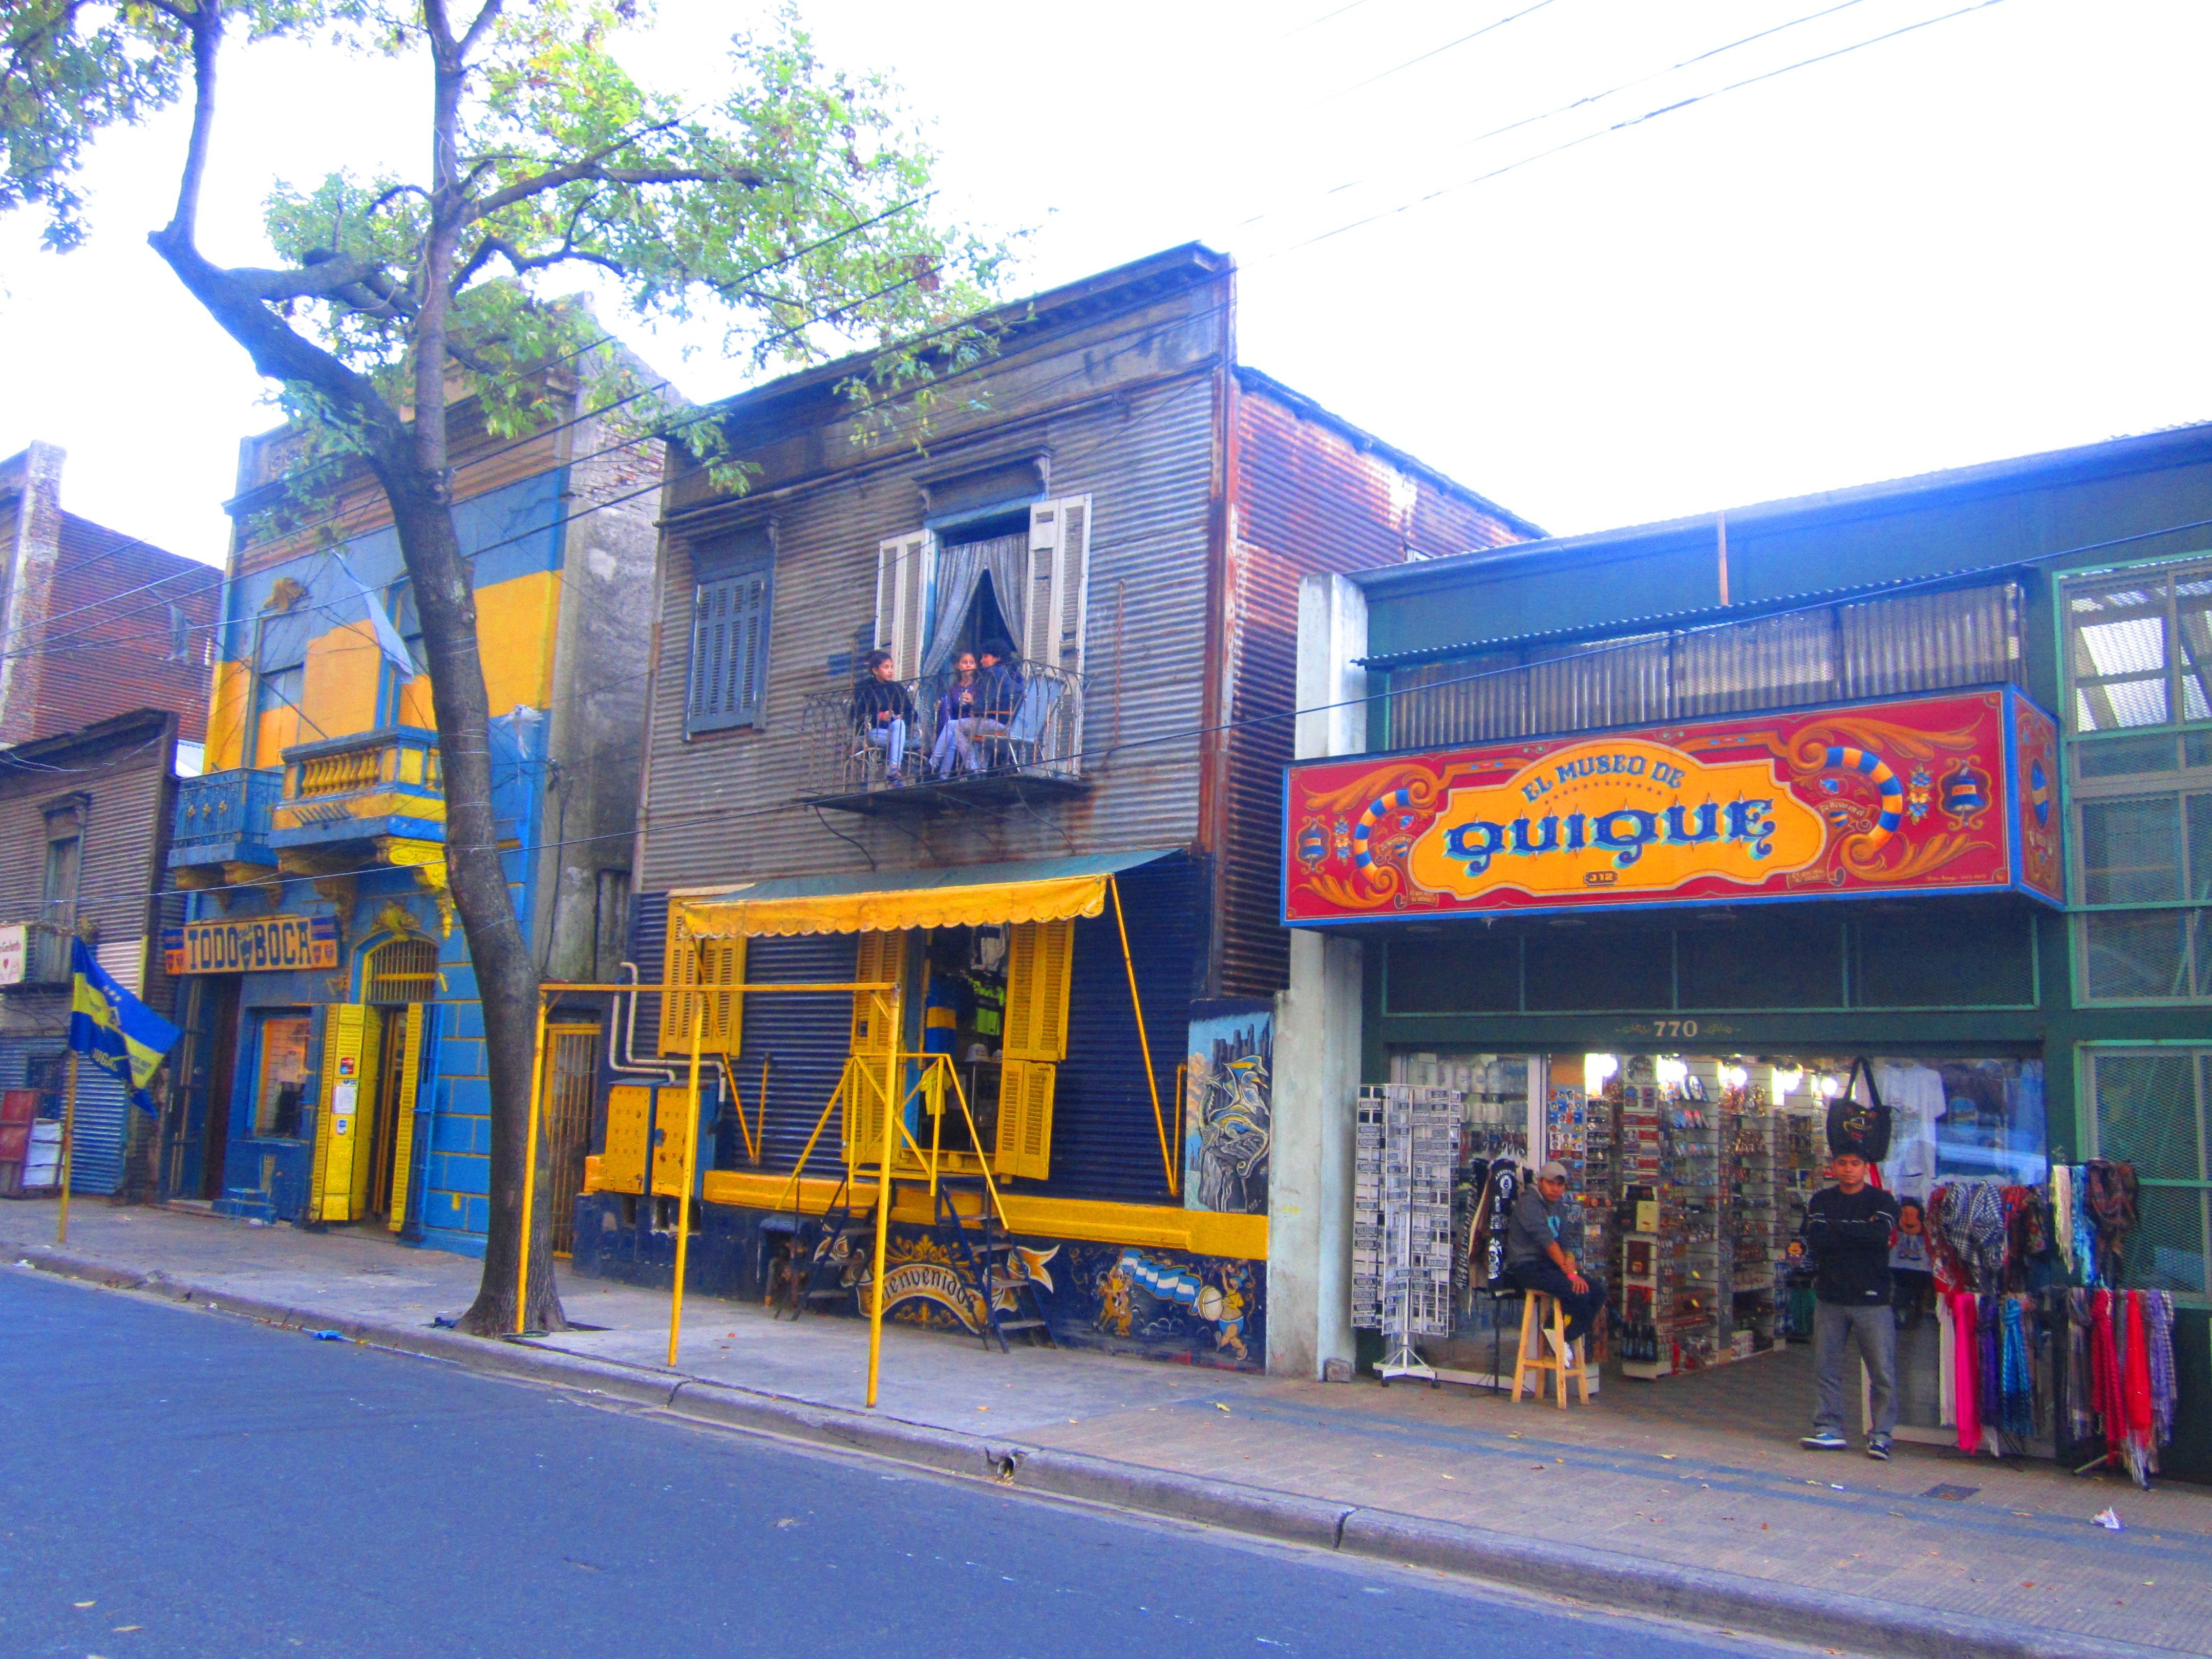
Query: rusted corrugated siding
x,y
1309,499
1123,406
124,774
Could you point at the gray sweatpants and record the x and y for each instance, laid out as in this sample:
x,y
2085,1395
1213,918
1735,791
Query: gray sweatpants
x,y
1834,1325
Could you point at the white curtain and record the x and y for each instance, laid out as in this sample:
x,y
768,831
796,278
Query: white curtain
x,y
961,567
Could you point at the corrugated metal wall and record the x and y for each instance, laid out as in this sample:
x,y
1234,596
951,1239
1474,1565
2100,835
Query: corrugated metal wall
x,y
1874,647
1104,1142
804,1039
1124,406
1309,499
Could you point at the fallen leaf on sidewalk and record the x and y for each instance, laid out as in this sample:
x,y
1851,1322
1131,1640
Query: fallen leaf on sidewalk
x,y
120,1629
1218,1407
84,1604
1668,1456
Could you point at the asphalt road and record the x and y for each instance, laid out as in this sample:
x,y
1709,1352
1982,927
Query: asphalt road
x,y
178,1483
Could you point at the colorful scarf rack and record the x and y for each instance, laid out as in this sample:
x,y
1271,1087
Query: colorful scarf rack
x,y
2131,1382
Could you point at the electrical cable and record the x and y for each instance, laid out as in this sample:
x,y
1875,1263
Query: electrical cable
x,y
781,809
1633,121
1436,51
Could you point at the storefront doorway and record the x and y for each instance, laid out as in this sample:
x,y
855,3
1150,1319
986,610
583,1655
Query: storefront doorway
x,y
1692,1172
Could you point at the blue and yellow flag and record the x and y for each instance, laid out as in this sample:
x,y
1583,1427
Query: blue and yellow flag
x,y
113,1029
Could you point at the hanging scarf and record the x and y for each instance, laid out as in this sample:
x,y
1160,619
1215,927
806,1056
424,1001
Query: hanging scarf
x,y
2080,1373
1974,1222
2158,1308
2019,1390
1966,1385
2111,1190
1934,1220
2135,1367
1988,1326
2109,1393
2062,1215
2084,1230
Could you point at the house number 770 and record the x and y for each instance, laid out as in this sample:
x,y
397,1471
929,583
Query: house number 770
x,y
1675,1028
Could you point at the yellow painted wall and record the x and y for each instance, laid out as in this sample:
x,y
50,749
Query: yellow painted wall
x,y
339,693
279,729
515,629
227,708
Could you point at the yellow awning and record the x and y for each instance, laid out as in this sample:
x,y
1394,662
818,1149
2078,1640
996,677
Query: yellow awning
x,y
1050,899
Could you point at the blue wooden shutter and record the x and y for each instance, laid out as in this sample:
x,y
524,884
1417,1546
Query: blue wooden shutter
x,y
729,652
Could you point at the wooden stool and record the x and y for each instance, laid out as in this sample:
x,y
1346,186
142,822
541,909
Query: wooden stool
x,y
1542,1319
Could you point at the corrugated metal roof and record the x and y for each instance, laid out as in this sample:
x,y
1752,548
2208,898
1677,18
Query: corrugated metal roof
x,y
2115,456
1660,622
910,881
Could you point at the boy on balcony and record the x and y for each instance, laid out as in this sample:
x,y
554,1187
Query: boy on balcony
x,y
882,713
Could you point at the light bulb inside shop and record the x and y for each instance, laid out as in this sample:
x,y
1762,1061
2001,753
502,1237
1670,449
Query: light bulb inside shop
x,y
1673,1072
1733,1077
1788,1080
1827,1087
1597,1069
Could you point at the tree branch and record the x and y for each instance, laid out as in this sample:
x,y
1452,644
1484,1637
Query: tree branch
x,y
485,19
496,247
324,273
206,24
750,178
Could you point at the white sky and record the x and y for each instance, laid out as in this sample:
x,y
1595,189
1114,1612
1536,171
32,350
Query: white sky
x,y
1978,240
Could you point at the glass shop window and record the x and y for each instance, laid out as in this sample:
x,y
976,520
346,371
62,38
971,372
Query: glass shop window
x,y
2153,1106
280,1087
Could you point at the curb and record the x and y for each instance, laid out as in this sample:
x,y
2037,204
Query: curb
x,y
1604,1578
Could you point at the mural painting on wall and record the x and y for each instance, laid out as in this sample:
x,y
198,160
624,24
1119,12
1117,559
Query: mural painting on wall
x,y
1163,1304
1229,1107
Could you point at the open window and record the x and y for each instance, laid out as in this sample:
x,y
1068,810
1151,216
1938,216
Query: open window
x,y
1021,576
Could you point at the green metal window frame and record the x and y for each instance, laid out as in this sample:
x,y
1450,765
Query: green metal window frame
x,y
2085,1078
2072,740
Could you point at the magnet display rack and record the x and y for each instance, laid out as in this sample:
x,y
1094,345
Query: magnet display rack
x,y
1405,1146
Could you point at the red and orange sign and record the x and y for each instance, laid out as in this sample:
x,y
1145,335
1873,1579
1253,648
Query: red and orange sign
x,y
1945,793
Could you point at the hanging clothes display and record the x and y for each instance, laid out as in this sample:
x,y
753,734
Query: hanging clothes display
x,y
1965,1351
2062,1215
2110,1190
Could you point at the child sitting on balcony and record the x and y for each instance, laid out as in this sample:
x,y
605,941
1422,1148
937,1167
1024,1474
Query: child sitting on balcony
x,y
882,713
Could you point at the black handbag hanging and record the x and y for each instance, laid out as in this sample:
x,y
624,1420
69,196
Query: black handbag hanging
x,y
1859,1126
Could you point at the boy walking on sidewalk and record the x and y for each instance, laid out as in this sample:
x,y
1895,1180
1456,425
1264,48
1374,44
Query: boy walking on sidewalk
x,y
1848,1229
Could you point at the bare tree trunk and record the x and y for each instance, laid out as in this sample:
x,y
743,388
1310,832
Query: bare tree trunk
x,y
409,459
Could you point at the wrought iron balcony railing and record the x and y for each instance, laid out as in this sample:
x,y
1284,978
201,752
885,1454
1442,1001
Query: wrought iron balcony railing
x,y
1030,740
224,817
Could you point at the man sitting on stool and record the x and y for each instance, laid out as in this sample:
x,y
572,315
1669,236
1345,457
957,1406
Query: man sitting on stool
x,y
1535,1259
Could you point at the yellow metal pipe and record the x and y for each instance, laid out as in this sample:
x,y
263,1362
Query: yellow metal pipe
x,y
883,1233
730,1076
69,1139
530,1178
1144,1042
761,1140
690,1174
799,1168
555,988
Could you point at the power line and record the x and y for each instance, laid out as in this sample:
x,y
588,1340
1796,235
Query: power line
x,y
1436,51
1634,121
781,810
1593,98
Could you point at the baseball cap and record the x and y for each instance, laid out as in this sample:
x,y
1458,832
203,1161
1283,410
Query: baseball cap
x,y
1555,1170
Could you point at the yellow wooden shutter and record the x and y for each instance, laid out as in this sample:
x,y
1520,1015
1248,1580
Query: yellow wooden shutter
x,y
724,961
1039,958
331,1174
875,1033
629,1133
1024,1142
408,1055
364,1133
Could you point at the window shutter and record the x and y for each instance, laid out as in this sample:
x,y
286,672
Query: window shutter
x,y
724,964
904,568
1039,954
408,1053
875,1043
1024,1144
729,652
1053,621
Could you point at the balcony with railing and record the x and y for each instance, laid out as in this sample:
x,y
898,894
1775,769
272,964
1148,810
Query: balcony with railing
x,y
385,782
1030,750
224,817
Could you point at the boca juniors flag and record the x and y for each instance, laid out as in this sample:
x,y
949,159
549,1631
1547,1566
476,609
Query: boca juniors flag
x,y
113,1029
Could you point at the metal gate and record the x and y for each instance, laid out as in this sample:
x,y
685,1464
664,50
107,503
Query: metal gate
x,y
572,1064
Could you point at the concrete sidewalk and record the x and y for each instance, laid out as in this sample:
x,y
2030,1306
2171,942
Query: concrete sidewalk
x,y
1691,1495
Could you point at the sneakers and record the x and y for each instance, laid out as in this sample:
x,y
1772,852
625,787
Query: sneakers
x,y
1824,1440
1560,1347
1878,1450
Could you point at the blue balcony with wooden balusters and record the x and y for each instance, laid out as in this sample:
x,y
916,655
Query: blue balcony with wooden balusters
x,y
360,788
224,818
